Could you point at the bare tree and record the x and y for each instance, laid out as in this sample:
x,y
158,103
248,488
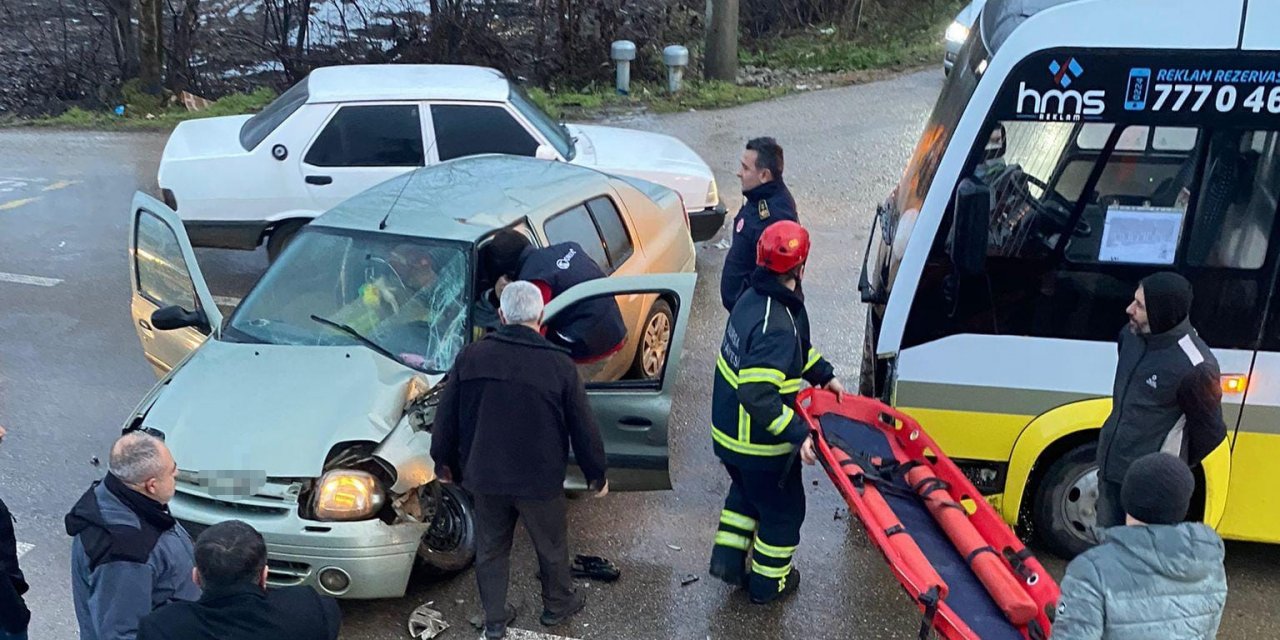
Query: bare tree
x,y
150,45
186,19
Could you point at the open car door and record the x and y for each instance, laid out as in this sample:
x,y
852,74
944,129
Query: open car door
x,y
633,413
173,311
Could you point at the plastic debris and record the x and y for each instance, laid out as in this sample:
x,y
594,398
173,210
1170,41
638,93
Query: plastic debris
x,y
426,623
119,110
688,580
673,547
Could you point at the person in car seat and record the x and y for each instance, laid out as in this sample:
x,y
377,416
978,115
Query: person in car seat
x,y
591,330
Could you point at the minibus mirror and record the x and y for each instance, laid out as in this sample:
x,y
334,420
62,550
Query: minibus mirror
x,y
968,246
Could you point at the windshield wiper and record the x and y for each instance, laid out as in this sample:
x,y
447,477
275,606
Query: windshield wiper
x,y
355,334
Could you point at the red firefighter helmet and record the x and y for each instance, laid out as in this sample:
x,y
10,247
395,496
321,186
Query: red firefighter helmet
x,y
783,246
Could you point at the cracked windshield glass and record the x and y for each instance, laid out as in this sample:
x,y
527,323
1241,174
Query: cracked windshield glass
x,y
402,296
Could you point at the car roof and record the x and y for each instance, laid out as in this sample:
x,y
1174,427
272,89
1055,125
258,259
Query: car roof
x,y
465,199
360,82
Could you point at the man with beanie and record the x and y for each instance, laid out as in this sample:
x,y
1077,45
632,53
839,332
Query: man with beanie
x,y
1166,395
591,330
768,201
1158,577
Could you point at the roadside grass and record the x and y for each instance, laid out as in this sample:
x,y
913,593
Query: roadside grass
x,y
136,118
694,94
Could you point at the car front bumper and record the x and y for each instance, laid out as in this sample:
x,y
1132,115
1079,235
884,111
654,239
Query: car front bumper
x,y
703,225
376,558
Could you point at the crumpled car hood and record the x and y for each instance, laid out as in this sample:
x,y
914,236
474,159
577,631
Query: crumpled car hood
x,y
276,410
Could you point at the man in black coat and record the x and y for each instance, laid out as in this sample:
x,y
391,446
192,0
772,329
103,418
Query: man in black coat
x,y
1167,394
511,407
767,201
14,615
231,568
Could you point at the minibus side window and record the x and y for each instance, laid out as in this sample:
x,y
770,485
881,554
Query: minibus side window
x,y
1078,214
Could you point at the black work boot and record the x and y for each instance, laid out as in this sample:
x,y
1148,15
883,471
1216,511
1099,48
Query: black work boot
x,y
552,618
730,570
498,630
789,586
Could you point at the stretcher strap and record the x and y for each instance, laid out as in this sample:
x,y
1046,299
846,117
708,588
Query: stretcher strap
x,y
1017,560
930,600
895,530
979,551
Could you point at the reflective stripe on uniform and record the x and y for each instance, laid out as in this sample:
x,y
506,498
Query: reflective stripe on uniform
x,y
732,540
814,357
748,449
781,553
726,371
790,386
744,425
777,573
735,519
780,423
762,374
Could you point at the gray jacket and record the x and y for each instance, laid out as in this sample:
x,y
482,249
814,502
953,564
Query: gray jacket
x,y
1166,397
124,565
1152,581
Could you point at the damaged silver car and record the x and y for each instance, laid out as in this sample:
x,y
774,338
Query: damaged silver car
x,y
300,413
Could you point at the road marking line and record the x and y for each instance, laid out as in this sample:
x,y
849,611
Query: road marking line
x,y
14,204
521,634
226,301
23,548
61,184
38,281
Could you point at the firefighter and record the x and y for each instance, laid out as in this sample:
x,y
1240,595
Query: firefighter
x,y
764,357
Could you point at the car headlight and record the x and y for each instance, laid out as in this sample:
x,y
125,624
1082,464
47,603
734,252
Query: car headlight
x,y
713,194
957,32
345,494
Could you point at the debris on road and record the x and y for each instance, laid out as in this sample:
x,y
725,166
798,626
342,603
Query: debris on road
x,y
426,623
596,568
673,547
688,580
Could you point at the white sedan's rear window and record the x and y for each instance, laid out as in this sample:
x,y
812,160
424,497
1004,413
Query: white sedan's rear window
x,y
257,128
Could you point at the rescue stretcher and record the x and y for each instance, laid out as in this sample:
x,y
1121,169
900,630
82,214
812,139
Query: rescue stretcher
x,y
963,566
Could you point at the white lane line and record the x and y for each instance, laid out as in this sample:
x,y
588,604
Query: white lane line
x,y
18,278
23,548
521,634
226,301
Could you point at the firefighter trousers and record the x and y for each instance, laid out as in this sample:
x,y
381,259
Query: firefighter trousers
x,y
761,518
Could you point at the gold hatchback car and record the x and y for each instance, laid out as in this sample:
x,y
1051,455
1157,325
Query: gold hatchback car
x,y
300,414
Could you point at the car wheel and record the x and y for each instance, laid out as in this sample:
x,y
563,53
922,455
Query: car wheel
x,y
655,339
281,236
1065,509
449,546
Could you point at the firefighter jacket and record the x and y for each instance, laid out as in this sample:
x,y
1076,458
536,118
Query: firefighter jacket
x,y
764,357
765,205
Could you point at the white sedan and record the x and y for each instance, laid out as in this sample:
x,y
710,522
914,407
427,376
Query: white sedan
x,y
958,32
239,181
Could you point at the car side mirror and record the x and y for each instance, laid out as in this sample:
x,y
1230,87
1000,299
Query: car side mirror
x,y
546,152
968,245
175,317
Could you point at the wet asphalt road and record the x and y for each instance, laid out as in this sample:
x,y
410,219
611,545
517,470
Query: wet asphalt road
x,y
71,370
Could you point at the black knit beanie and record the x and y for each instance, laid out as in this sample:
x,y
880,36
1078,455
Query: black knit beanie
x,y
501,255
1168,300
1157,489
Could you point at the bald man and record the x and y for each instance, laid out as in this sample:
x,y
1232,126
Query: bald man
x,y
129,555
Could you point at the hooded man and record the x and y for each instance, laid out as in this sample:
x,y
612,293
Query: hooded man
x,y
1157,577
1166,395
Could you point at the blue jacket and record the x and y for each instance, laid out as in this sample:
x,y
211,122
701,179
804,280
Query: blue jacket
x,y
128,558
1152,581
763,359
765,205
587,330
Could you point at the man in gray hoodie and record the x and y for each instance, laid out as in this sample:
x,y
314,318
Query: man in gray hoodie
x,y
1157,577
129,555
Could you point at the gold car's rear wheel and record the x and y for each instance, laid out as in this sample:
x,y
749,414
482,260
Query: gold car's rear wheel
x,y
655,341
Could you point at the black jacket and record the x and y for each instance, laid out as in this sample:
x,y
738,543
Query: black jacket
x,y
510,408
763,358
246,612
1167,395
14,614
765,205
589,329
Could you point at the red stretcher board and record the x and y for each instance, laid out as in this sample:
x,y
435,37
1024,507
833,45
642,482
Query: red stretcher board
x,y
970,576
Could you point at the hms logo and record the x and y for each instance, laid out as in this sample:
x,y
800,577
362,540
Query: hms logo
x,y
1061,104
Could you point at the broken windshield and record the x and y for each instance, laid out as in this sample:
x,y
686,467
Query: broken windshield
x,y
405,295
